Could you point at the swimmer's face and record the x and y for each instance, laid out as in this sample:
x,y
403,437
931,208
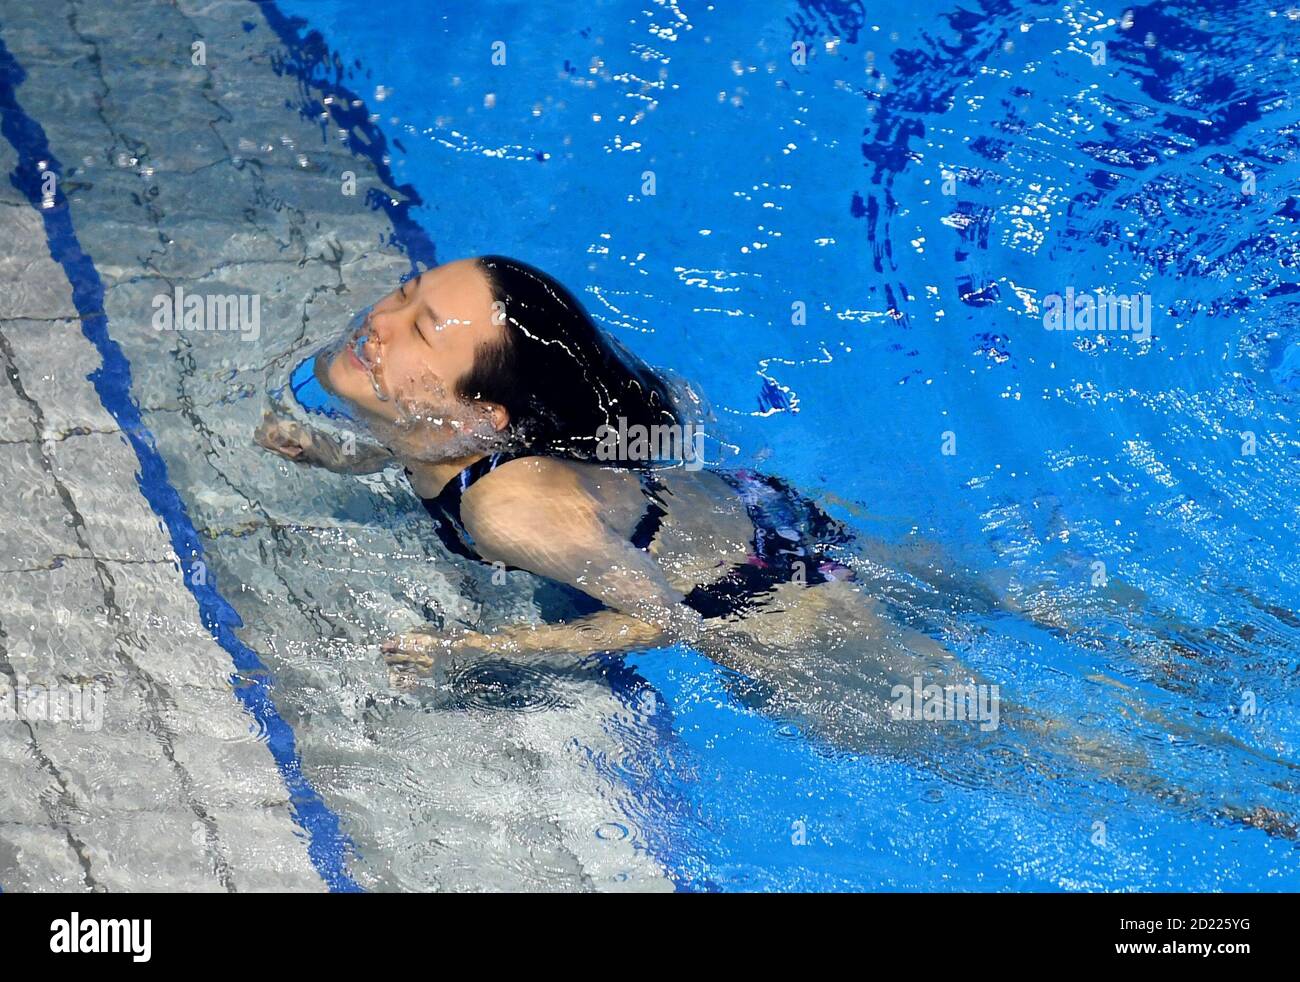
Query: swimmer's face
x,y
417,344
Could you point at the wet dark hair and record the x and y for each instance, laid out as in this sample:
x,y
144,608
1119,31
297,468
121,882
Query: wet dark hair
x,y
556,373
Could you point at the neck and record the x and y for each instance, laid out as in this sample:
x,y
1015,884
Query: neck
x,y
430,477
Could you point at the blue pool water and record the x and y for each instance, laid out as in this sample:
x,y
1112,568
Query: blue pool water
x,y
919,187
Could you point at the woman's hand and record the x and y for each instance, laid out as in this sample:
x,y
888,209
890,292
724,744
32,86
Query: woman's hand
x,y
423,648
290,440
303,445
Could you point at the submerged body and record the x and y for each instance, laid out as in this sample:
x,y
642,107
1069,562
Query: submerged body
x,y
736,564
489,386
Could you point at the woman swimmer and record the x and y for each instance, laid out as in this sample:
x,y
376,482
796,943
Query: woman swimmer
x,y
494,389
488,382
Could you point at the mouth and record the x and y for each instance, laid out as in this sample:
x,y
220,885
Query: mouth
x,y
362,353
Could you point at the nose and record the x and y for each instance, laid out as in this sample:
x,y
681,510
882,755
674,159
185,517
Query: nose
x,y
382,323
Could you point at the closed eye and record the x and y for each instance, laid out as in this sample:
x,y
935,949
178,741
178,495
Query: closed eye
x,y
426,316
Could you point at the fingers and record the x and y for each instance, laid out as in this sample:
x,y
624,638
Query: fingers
x,y
409,660
415,649
281,436
262,431
414,642
422,650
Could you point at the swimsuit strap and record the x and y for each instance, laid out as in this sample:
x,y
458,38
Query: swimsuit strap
x,y
648,527
448,499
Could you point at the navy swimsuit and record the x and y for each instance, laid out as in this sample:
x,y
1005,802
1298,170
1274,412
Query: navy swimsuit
x,y
789,533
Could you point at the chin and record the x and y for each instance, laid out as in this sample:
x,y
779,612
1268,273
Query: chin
x,y
341,380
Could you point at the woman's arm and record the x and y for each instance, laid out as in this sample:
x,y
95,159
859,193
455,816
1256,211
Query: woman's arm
x,y
303,445
604,630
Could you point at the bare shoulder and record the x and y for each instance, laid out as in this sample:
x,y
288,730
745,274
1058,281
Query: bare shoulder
x,y
530,475
528,500
526,486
